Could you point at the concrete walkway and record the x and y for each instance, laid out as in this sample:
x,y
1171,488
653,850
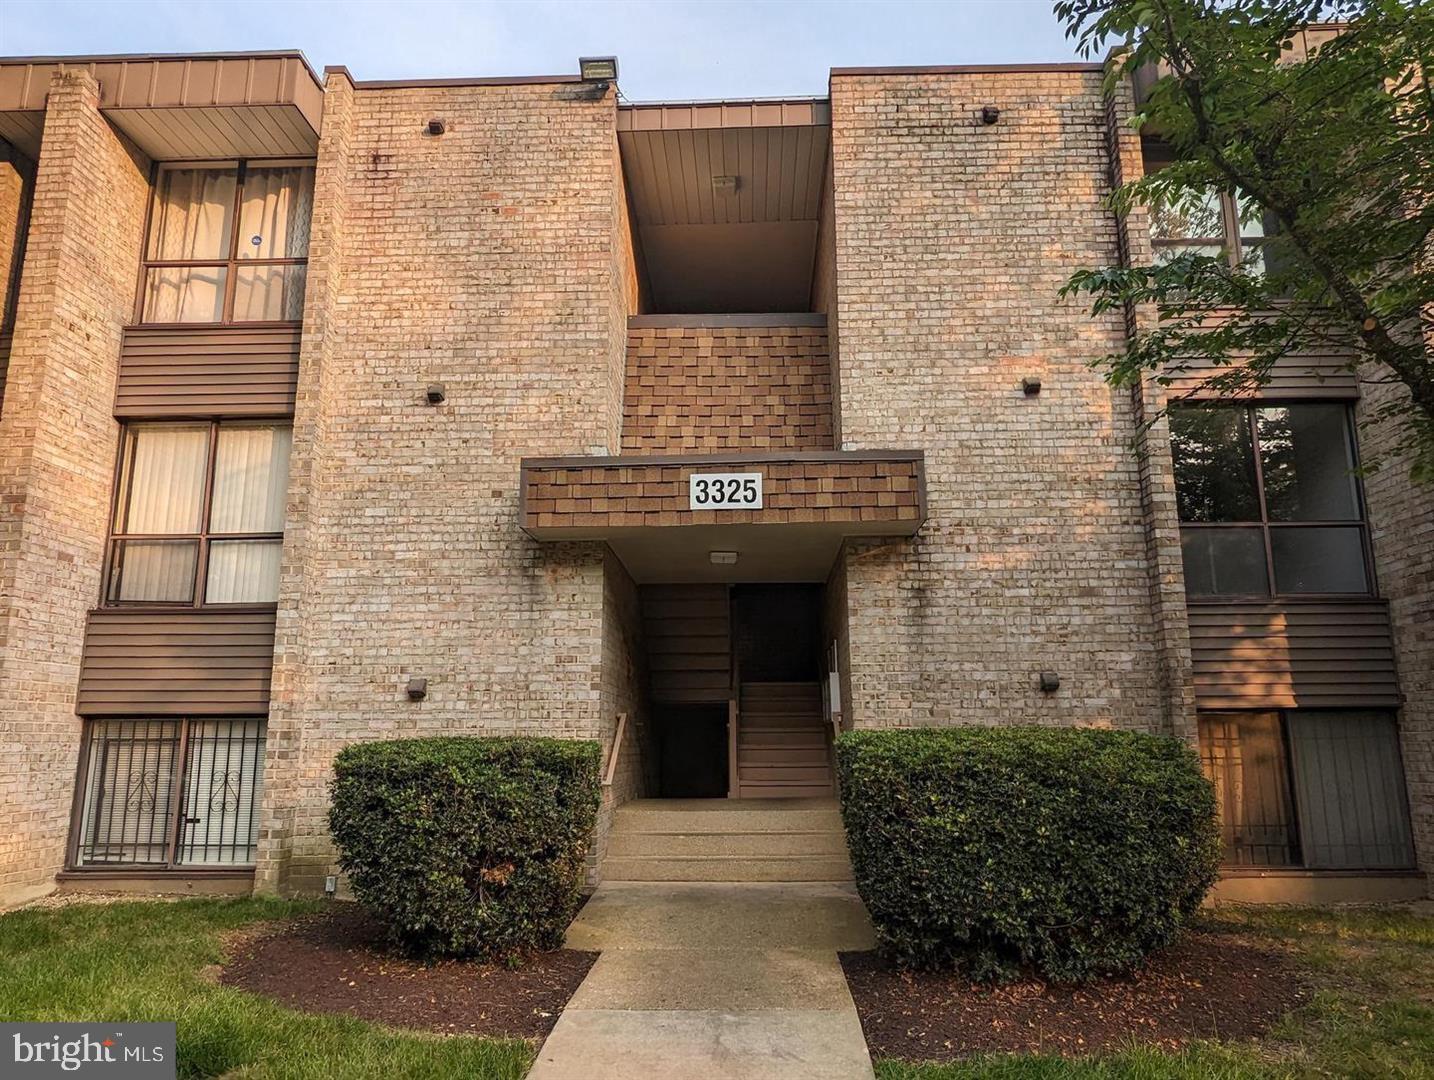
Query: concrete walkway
x,y
713,981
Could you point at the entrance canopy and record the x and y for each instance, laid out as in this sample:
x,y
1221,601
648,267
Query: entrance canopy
x,y
786,518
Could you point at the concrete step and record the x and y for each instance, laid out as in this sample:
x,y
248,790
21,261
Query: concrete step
x,y
751,844
727,868
728,815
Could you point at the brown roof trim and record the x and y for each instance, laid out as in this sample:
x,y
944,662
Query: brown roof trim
x,y
969,69
800,99
112,58
799,318
736,457
497,80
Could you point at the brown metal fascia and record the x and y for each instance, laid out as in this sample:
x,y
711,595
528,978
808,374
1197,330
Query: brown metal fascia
x,y
971,69
759,457
497,80
798,318
116,58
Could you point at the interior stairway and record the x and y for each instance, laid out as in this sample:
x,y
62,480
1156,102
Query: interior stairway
x,y
727,840
783,741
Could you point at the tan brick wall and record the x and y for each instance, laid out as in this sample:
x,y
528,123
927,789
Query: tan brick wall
x,y
57,445
624,691
17,185
1164,561
704,389
874,490
949,259
824,290
487,259
1401,519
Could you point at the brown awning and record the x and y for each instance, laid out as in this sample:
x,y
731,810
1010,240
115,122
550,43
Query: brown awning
x,y
210,105
811,502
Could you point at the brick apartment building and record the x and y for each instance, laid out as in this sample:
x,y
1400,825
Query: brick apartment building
x,y
339,410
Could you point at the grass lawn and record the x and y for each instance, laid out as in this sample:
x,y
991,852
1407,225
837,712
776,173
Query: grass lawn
x,y
146,961
1374,1017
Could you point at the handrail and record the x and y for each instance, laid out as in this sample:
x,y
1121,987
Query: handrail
x,y
616,749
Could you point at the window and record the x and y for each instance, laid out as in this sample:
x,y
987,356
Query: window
x,y
1268,501
1307,788
199,514
228,243
170,792
1215,223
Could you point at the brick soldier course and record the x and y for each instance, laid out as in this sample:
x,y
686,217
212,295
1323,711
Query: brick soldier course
x,y
494,428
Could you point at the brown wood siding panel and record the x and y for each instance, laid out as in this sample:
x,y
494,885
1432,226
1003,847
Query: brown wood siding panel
x,y
1327,654
689,642
208,371
176,663
1305,377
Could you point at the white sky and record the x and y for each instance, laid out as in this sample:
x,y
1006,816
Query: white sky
x,y
668,49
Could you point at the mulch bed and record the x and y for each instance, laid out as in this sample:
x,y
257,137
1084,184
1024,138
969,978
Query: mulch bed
x,y
341,962
1206,986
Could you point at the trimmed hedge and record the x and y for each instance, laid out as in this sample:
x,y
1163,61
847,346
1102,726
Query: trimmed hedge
x,y
467,846
1070,852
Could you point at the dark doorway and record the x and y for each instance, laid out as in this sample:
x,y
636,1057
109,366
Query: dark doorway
x,y
778,632
692,741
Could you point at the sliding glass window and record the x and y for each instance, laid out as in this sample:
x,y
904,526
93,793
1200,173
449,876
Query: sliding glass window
x,y
228,243
1318,789
199,514
170,792
1269,502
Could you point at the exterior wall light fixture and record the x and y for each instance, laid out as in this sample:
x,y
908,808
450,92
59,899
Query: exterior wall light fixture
x,y
417,689
1030,386
435,127
598,68
723,558
1050,682
990,114
436,394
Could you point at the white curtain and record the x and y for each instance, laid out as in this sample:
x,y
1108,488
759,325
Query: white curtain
x,y
164,494
277,207
193,219
251,475
221,792
269,293
274,223
243,572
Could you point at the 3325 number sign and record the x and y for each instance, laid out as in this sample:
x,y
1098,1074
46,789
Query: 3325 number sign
x,y
724,491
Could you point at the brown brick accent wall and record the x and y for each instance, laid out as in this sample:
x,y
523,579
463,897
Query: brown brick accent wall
x,y
952,241
704,389
1401,518
486,259
866,491
57,445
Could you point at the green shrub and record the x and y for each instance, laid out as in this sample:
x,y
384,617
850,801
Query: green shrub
x,y
1070,852
467,846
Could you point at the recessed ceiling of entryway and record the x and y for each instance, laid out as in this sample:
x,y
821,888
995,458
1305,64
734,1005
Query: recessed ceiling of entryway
x,y
726,197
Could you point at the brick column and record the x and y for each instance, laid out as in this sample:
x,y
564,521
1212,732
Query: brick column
x,y
57,446
1157,470
314,407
